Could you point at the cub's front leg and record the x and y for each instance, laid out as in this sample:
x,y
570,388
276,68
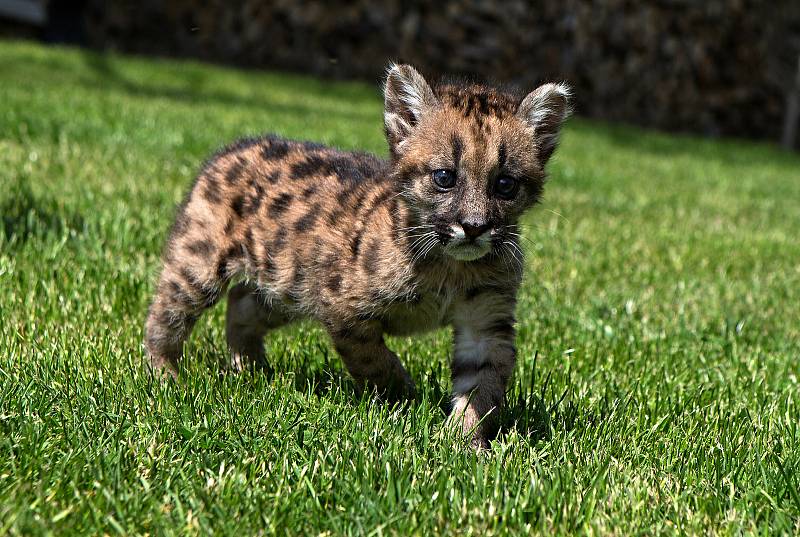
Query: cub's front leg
x,y
483,361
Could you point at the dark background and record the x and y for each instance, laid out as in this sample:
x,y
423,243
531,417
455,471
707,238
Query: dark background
x,y
717,67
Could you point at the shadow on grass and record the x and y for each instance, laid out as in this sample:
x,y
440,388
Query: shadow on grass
x,y
532,415
192,89
26,215
533,418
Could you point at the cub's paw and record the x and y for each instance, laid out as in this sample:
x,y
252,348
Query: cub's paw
x,y
472,429
400,389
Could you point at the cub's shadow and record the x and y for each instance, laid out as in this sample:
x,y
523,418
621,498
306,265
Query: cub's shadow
x,y
533,418
25,215
308,375
533,413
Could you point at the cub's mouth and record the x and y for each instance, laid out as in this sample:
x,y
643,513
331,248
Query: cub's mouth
x,y
466,251
467,246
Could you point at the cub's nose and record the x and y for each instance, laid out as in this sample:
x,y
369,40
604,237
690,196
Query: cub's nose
x,y
473,230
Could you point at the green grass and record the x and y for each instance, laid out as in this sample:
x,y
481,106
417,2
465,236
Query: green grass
x,y
659,334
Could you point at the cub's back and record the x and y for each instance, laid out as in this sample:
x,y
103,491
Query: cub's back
x,y
308,223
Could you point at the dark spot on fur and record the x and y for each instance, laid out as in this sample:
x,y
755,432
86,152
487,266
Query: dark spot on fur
x,y
355,244
234,252
478,100
377,203
334,283
334,216
354,199
190,279
312,165
273,177
229,226
234,172
248,241
182,224
349,168
298,277
255,199
458,148
204,295
461,368
274,149
330,263
176,294
307,221
483,103
503,326
370,257
395,216
167,318
202,247
468,105
280,204
222,268
343,196
310,191
279,241
238,205
211,191
174,286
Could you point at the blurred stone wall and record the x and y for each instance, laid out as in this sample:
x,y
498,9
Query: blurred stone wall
x,y
718,67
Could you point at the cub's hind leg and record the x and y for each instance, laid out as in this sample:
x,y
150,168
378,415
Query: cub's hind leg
x,y
371,363
199,259
181,296
248,319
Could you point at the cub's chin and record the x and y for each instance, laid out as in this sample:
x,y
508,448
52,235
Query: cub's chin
x,y
467,252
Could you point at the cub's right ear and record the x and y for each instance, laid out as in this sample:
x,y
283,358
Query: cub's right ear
x,y
406,97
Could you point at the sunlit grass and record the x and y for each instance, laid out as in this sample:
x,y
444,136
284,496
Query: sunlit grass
x,y
659,334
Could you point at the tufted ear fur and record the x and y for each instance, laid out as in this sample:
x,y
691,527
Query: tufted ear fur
x,y
544,110
407,97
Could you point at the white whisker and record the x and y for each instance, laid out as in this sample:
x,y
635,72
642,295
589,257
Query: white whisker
x,y
422,239
430,246
557,214
512,252
516,247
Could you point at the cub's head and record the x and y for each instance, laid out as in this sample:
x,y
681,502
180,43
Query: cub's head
x,y
471,158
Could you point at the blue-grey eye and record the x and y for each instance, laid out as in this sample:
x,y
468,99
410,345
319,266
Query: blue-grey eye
x,y
444,179
505,186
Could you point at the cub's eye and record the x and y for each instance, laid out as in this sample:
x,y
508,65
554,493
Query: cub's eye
x,y
505,187
444,179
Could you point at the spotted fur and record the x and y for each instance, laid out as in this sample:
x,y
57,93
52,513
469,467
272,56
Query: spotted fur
x,y
370,247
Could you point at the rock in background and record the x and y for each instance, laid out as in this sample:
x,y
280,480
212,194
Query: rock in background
x,y
717,67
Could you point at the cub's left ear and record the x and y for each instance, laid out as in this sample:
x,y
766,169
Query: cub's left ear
x,y
544,110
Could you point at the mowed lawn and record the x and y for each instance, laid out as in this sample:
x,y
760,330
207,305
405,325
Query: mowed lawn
x,y
659,334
